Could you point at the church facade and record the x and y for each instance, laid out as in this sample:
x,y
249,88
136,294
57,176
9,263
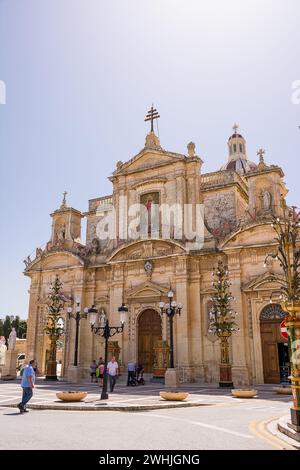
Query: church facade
x,y
238,200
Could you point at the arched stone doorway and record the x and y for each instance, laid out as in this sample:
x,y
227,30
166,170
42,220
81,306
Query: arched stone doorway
x,y
149,332
274,346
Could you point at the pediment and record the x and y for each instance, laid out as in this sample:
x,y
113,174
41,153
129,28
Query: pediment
x,y
266,281
257,234
145,249
54,261
146,291
148,158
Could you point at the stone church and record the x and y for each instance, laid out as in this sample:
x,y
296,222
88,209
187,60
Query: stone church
x,y
239,200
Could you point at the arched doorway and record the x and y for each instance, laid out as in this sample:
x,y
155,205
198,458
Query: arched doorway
x,y
274,346
149,332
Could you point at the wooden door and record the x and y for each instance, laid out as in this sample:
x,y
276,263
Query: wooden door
x,y
270,337
149,332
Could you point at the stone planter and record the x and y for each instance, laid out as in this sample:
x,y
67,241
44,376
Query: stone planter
x,y
174,396
283,390
244,393
71,396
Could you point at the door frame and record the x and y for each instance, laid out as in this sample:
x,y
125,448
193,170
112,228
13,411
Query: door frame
x,y
144,309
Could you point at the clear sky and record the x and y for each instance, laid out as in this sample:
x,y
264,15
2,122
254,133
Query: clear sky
x,y
80,76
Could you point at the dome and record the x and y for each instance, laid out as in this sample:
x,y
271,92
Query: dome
x,y
240,165
237,154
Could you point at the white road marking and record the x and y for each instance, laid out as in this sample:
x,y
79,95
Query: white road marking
x,y
198,423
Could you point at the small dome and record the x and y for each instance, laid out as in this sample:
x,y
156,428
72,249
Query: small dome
x,y
240,165
234,136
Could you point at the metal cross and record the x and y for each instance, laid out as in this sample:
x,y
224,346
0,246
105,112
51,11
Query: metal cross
x,y
235,128
260,153
151,115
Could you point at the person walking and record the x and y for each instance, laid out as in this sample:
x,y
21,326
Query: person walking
x,y
112,370
131,368
27,384
93,367
100,372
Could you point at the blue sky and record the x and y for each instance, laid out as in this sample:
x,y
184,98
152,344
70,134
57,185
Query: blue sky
x,y
80,76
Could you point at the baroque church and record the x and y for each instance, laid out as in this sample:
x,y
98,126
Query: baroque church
x,y
239,200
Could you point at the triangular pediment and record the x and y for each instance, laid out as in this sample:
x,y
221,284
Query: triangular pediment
x,y
148,158
147,290
266,281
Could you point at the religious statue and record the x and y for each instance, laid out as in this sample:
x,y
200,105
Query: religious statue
x,y
27,261
266,200
12,340
191,149
95,246
3,349
60,233
38,252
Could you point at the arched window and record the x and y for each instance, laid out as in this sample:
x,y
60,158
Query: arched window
x,y
241,148
234,148
272,312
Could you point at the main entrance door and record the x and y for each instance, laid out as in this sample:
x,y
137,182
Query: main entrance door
x,y
274,346
149,332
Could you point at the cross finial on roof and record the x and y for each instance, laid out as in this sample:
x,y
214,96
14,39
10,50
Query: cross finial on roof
x,y
261,153
151,115
64,201
235,127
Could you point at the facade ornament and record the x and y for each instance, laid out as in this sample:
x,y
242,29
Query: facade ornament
x,y
27,261
261,164
38,252
119,164
64,201
191,149
148,266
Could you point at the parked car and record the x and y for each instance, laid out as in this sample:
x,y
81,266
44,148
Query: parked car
x,y
20,360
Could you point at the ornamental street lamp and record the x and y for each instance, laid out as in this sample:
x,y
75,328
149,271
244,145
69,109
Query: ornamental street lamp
x,y
77,315
171,309
287,229
106,332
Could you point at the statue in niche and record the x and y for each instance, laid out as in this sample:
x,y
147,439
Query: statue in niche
x,y
265,200
60,233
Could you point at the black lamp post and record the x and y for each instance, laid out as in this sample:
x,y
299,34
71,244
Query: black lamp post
x,y
77,315
106,332
171,309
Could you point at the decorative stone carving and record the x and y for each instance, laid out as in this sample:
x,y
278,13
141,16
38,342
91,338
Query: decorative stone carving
x,y
148,266
39,252
191,149
220,213
27,261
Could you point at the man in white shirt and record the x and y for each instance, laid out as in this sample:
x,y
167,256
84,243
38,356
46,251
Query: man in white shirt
x,y
113,371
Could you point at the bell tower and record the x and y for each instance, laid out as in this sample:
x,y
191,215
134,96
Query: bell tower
x,y
66,225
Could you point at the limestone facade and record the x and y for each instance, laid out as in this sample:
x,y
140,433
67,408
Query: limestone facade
x,y
238,202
